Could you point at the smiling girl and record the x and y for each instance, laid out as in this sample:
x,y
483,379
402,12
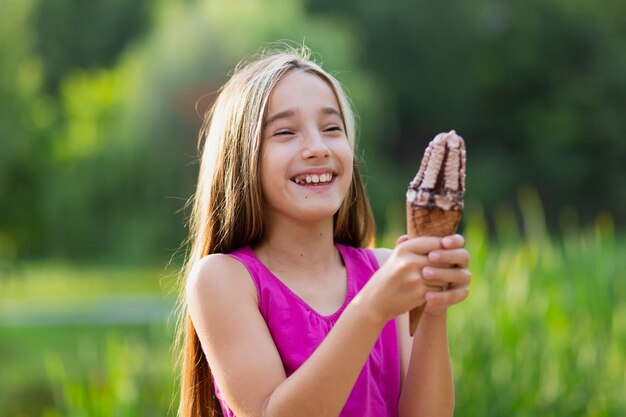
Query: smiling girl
x,y
286,312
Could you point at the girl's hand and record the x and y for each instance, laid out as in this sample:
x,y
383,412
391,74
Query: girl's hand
x,y
399,286
447,269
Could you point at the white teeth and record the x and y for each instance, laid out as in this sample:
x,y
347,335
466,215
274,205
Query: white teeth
x,y
314,179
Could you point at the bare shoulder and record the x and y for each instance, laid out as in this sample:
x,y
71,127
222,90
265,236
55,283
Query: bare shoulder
x,y
382,254
222,303
218,276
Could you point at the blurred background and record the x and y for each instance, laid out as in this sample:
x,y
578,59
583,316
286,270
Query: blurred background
x,y
100,106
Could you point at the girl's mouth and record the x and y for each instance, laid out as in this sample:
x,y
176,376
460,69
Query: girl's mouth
x,y
313,179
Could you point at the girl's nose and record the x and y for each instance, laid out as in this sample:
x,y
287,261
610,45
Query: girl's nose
x,y
315,146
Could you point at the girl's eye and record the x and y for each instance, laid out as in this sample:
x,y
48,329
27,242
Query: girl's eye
x,y
283,132
333,129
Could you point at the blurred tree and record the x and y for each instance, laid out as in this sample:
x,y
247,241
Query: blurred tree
x,y
74,34
40,42
98,138
536,87
25,116
126,154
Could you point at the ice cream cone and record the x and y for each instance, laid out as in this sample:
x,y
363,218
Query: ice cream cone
x,y
423,221
434,204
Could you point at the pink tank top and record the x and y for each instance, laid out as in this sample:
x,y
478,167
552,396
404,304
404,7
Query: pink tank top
x,y
297,330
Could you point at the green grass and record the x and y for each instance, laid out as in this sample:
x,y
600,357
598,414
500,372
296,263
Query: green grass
x,y
543,332
86,371
61,282
77,341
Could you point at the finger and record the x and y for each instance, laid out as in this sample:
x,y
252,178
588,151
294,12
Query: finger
x,y
402,239
453,241
433,275
422,245
458,257
448,297
436,286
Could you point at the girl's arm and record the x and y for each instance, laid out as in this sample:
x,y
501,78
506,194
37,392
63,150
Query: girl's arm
x,y
427,387
222,302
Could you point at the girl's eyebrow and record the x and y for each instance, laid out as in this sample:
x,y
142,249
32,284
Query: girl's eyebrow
x,y
281,115
331,110
290,113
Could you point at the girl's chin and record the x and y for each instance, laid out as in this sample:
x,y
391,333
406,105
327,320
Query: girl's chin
x,y
316,214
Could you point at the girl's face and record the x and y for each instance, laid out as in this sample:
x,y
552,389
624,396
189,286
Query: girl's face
x,y
306,160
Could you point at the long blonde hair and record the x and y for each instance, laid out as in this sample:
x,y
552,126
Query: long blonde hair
x,y
227,206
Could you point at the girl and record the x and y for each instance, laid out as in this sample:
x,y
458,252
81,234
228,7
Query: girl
x,y
285,311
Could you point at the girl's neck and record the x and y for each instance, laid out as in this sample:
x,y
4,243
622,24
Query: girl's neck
x,y
299,245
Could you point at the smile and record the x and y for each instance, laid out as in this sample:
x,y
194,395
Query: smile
x,y
312,179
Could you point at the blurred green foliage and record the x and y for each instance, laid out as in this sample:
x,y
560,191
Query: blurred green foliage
x,y
119,158
86,341
542,333
72,34
536,87
101,103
